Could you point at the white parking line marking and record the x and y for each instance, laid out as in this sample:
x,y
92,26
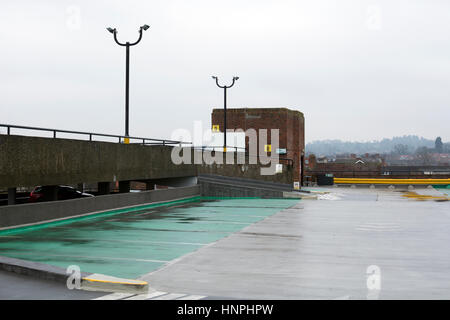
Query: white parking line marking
x,y
146,296
115,296
138,297
115,240
156,294
379,227
192,297
343,298
170,296
89,257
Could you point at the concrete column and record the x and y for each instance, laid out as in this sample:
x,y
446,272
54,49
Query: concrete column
x,y
124,186
104,188
11,196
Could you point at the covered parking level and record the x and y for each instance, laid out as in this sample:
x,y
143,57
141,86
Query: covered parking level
x,y
133,243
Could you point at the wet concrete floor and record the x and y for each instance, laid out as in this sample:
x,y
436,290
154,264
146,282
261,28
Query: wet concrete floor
x,y
349,244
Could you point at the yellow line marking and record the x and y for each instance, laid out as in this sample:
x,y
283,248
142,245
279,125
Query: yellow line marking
x,y
143,283
392,181
414,195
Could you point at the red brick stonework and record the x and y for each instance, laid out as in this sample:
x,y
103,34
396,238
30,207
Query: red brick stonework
x,y
291,125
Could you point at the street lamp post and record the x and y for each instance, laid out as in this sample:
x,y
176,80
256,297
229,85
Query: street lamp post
x,y
127,45
225,109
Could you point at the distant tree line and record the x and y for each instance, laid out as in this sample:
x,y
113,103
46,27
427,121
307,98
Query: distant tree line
x,y
410,144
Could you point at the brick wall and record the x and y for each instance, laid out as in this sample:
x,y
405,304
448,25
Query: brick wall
x,y
290,123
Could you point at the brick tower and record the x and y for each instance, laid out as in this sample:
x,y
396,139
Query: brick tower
x,y
291,125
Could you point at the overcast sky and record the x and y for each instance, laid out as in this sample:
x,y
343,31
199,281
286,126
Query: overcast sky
x,y
357,69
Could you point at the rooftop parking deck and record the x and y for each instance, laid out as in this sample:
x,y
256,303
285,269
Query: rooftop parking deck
x,y
131,244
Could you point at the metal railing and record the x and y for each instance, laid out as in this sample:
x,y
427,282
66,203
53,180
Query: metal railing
x,y
142,141
91,135
289,161
383,172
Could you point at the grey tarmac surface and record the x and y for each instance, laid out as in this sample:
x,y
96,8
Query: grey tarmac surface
x,y
21,287
326,249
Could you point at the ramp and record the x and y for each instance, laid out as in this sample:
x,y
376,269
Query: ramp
x,y
231,187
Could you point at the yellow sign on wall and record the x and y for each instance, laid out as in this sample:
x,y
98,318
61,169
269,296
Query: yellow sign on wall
x,y
216,128
268,148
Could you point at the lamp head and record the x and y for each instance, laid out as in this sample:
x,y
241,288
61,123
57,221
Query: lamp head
x,y
235,78
145,27
111,30
214,77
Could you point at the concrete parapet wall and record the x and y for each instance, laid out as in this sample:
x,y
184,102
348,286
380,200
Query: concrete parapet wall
x,y
217,189
25,214
247,171
31,161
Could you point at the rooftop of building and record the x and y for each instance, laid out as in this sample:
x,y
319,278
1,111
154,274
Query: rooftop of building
x,y
260,110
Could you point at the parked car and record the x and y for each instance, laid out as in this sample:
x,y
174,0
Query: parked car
x,y
64,193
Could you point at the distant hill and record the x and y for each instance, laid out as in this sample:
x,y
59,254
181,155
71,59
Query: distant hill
x,y
408,144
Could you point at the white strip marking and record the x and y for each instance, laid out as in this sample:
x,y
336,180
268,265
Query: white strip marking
x,y
231,215
378,227
342,298
171,296
138,297
377,230
146,296
163,230
223,222
115,240
115,296
383,223
192,297
90,257
155,294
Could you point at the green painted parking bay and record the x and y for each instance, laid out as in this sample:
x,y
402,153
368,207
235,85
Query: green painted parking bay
x,y
131,244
